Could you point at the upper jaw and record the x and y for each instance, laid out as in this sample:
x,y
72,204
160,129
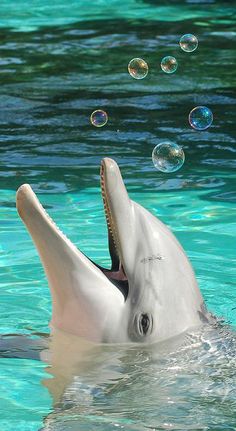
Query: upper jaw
x,y
119,213
109,177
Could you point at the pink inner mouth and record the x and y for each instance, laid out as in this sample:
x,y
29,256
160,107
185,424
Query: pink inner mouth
x,y
116,275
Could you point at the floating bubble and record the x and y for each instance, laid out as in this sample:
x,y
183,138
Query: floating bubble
x,y
138,68
168,157
169,64
188,42
99,118
200,118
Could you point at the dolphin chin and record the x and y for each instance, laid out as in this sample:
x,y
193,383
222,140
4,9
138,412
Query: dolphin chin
x,y
150,292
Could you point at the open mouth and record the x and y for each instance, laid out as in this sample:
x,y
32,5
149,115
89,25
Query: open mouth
x,y
116,274
47,235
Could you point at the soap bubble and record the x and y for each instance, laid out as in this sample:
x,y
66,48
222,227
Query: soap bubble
x,y
138,68
188,42
99,118
200,118
168,157
169,64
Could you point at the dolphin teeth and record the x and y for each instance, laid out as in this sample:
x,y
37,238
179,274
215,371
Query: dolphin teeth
x,y
110,223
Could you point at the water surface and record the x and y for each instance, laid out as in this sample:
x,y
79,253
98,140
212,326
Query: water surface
x,y
59,62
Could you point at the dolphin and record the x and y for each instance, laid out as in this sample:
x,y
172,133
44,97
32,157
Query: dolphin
x,y
149,294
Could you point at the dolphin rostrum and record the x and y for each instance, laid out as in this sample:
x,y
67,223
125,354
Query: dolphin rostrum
x,y
149,294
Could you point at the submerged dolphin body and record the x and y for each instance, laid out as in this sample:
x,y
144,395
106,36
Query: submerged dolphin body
x,y
149,294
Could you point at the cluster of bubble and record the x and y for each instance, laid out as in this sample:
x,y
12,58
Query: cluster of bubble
x,y
167,156
138,68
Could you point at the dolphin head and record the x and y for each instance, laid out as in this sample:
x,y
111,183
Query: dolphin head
x,y
150,292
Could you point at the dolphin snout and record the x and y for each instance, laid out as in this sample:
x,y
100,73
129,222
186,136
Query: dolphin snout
x,y
109,174
24,199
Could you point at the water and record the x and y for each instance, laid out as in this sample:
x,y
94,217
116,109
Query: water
x,y
58,63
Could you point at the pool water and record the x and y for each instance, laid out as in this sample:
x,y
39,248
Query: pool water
x,y
60,61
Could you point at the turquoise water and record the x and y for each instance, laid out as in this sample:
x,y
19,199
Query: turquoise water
x,y
59,62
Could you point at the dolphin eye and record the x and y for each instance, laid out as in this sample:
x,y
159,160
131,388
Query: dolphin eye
x,y
140,327
144,323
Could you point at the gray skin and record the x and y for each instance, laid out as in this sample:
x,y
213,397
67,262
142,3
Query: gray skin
x,y
149,295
